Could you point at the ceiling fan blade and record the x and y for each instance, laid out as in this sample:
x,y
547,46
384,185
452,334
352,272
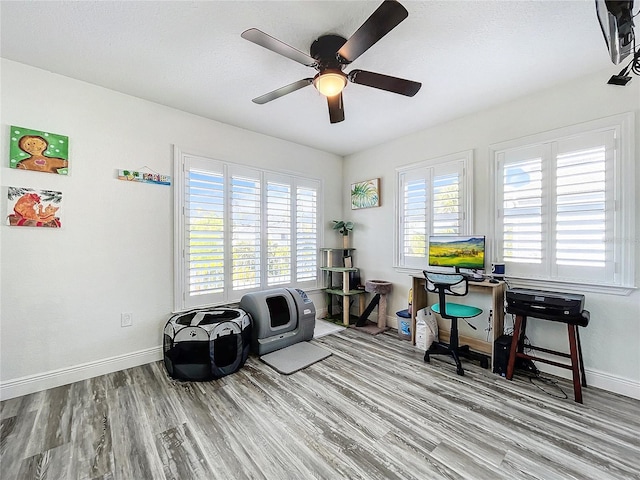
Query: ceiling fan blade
x,y
292,87
336,108
382,21
270,43
385,82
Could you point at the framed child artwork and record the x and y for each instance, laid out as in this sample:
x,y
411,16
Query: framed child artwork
x,y
27,207
38,151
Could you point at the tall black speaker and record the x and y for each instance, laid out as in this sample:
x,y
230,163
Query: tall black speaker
x,y
501,348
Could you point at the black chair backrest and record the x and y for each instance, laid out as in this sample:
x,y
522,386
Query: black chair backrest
x,y
449,283
445,284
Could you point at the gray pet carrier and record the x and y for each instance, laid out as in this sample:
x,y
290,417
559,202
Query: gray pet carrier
x,y
206,344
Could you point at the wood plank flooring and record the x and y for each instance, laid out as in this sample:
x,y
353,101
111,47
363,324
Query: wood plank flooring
x,y
373,410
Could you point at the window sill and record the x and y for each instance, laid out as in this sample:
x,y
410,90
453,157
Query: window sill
x,y
546,284
541,284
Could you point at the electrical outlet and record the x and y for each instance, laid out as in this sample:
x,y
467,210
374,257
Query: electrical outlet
x,y
126,319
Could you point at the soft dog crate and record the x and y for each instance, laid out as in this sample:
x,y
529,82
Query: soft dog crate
x,y
206,344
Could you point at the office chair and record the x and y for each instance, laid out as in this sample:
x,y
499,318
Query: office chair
x,y
452,284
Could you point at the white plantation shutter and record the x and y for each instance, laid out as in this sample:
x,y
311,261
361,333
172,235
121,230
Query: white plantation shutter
x,y
201,241
279,223
414,225
241,229
523,213
580,208
432,200
205,232
560,206
447,207
307,232
585,207
245,232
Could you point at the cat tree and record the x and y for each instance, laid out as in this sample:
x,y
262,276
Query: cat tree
x,y
381,289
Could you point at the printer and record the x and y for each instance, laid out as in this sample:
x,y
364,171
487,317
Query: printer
x,y
543,304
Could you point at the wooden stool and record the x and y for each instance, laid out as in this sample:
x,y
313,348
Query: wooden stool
x,y
575,349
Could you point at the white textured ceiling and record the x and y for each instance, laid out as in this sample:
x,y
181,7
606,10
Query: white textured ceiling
x,y
469,55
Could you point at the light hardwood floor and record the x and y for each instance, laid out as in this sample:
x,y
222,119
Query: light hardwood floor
x,y
373,410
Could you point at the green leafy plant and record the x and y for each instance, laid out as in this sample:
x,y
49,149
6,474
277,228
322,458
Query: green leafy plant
x,y
343,227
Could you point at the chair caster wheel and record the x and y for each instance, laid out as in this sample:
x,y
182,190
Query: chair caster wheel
x,y
426,358
460,371
484,363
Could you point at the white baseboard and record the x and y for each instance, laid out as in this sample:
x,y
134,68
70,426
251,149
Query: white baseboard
x,y
597,379
64,376
55,378
613,383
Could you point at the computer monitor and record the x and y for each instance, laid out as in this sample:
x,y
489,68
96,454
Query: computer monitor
x,y
457,251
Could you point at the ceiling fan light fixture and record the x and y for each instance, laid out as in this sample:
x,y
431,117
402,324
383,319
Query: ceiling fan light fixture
x,y
330,53
330,83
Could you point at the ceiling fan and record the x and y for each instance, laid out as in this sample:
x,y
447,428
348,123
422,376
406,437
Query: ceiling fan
x,y
329,55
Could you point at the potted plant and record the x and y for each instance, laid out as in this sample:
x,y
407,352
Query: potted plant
x,y
344,228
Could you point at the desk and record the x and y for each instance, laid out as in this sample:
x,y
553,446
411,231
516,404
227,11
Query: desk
x,y
496,290
345,292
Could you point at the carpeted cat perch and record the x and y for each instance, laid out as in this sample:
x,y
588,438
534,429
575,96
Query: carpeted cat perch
x,y
381,289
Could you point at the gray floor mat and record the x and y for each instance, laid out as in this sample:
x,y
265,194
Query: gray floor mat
x,y
296,357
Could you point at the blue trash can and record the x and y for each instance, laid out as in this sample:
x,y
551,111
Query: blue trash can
x,y
404,324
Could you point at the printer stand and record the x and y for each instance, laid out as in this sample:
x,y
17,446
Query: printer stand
x,y
575,349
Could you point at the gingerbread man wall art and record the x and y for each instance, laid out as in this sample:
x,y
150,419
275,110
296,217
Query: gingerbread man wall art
x,y
39,151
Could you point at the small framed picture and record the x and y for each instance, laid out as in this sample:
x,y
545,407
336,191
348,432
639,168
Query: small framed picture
x,y
38,151
347,262
33,208
365,194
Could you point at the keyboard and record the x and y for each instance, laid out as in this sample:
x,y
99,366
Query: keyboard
x,y
471,278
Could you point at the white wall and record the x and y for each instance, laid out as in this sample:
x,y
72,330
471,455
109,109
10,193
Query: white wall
x,y
63,289
611,343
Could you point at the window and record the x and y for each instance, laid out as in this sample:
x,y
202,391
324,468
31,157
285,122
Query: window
x,y
279,223
563,205
433,198
240,229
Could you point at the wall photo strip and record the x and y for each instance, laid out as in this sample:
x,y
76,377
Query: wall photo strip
x,y
143,177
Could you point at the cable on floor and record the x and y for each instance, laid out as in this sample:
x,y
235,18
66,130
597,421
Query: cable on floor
x,y
535,377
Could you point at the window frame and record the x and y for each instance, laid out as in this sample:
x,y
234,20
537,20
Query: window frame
x,y
182,299
623,184
461,160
